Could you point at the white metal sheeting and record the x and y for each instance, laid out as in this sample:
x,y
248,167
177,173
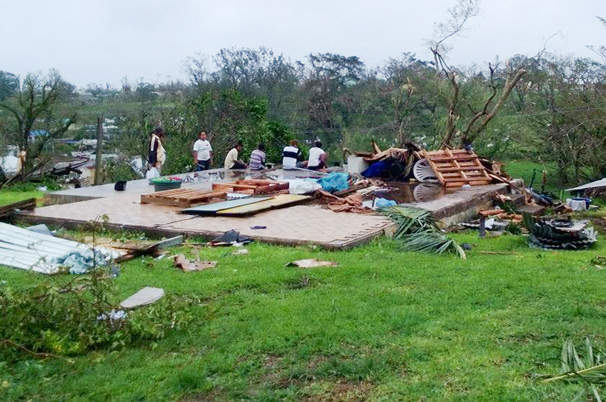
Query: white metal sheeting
x,y
593,184
24,249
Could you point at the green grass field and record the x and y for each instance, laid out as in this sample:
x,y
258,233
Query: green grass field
x,y
384,325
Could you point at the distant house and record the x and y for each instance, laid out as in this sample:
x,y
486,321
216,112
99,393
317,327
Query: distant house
x,y
33,135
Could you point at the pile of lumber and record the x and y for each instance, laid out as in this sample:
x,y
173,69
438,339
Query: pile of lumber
x,y
254,186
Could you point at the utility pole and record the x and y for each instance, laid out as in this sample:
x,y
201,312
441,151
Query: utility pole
x,y
99,153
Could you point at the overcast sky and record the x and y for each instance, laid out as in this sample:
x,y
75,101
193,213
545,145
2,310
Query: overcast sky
x,y
99,41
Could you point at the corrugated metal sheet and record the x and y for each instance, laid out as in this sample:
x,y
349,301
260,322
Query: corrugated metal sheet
x,y
24,249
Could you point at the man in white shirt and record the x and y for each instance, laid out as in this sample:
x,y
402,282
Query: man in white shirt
x,y
232,161
203,153
317,157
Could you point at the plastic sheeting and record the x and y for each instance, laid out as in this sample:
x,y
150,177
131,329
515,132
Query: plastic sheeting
x,y
334,182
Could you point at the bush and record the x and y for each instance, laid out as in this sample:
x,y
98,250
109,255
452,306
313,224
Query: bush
x,y
67,315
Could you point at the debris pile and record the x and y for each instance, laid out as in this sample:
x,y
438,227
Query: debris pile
x,y
561,234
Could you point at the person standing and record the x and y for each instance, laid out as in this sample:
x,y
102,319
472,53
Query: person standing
x,y
232,161
291,155
317,157
203,153
157,153
257,158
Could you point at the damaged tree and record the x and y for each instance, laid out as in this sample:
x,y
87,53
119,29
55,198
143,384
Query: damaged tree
x,y
33,107
458,16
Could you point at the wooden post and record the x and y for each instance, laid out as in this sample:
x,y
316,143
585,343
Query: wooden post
x,y
99,153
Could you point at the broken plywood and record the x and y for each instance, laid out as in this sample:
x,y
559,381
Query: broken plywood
x,y
279,201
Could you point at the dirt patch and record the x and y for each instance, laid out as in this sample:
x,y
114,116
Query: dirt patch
x,y
339,391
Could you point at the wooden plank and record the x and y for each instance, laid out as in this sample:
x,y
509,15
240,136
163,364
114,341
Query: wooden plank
x,y
28,204
272,188
258,182
462,168
212,209
223,186
278,201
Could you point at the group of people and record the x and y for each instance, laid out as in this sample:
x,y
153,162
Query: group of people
x,y
203,155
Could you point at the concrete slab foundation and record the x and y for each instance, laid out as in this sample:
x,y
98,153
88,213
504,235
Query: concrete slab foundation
x,y
301,224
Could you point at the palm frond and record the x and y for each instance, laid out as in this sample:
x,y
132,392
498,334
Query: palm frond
x,y
417,231
589,371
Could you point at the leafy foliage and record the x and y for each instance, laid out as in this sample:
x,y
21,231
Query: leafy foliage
x,y
417,231
63,317
589,371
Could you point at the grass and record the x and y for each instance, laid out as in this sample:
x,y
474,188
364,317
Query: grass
x,y
384,325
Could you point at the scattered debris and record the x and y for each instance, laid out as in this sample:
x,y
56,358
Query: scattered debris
x,y
153,249
311,263
417,230
258,227
24,249
334,182
187,265
42,229
242,251
8,210
145,296
562,234
230,238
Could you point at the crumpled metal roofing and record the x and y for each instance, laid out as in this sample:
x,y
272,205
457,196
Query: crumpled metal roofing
x,y
24,249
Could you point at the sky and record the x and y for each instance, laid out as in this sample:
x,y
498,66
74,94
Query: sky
x,y
103,41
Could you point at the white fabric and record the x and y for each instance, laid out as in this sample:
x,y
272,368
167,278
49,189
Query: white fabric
x,y
231,158
288,162
161,153
203,149
303,186
314,156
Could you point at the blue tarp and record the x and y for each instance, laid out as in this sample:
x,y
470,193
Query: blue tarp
x,y
334,182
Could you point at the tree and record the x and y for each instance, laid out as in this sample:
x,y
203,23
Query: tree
x,y
9,83
454,25
34,107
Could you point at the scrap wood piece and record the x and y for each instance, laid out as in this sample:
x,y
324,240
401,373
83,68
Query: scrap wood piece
x,y
214,208
7,210
186,265
279,201
491,212
311,263
145,296
152,249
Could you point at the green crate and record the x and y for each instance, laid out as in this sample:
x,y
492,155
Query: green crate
x,y
169,185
